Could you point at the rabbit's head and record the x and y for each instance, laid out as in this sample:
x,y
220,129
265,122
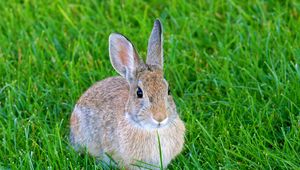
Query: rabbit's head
x,y
150,104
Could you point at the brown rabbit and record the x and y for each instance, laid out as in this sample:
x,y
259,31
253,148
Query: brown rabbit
x,y
122,116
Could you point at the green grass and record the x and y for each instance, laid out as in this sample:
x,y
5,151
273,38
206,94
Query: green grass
x,y
234,69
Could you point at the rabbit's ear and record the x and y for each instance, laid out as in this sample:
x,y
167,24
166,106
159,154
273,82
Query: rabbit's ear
x,y
155,45
123,56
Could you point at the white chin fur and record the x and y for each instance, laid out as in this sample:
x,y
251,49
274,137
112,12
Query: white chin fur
x,y
162,123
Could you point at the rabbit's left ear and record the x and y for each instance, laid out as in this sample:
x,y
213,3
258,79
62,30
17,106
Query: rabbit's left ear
x,y
155,45
123,56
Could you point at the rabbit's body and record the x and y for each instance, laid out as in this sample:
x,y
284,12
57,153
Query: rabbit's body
x,y
123,116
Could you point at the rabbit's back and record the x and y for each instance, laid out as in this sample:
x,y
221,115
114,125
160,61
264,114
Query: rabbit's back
x,y
93,121
105,92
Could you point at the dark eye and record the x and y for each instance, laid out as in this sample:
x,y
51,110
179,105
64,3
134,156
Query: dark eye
x,y
139,92
169,91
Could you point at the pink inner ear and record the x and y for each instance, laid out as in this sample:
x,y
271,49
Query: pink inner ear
x,y
123,52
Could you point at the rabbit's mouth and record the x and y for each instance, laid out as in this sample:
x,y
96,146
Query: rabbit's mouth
x,y
146,123
161,123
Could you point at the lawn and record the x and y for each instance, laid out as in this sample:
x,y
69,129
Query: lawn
x,y
233,67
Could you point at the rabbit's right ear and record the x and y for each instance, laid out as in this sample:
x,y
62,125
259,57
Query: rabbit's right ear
x,y
155,45
123,56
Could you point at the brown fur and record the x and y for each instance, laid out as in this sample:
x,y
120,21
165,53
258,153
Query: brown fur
x,y
111,133
109,118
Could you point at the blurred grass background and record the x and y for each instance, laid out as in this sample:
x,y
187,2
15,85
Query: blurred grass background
x,y
233,67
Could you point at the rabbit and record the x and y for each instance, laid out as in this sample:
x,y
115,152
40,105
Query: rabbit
x,y
122,116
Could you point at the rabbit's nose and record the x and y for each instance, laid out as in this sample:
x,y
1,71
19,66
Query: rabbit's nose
x,y
160,118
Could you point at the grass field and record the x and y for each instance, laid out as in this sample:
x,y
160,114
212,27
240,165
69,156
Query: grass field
x,y
233,67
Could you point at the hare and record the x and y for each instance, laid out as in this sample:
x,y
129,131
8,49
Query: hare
x,y
123,116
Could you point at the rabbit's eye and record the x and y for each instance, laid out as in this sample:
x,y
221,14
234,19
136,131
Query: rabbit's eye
x,y
169,91
139,92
